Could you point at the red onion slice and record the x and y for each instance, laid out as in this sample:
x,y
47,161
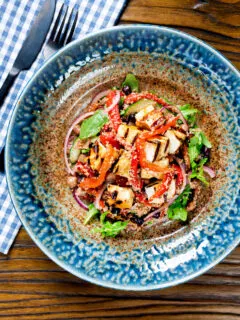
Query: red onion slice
x,y
79,201
100,95
115,101
98,197
79,119
209,171
151,214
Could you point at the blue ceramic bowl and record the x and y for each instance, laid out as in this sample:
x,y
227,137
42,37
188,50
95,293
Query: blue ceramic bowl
x,y
157,262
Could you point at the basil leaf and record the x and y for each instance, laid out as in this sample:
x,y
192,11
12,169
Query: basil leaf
x,y
91,126
92,211
132,82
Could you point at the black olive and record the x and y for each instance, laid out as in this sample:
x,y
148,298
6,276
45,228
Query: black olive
x,y
156,215
132,118
115,210
138,220
114,195
127,90
206,152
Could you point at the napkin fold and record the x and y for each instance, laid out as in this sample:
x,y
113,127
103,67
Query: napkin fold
x,y
16,18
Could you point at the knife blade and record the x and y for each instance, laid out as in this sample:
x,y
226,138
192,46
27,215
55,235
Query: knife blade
x,y
31,46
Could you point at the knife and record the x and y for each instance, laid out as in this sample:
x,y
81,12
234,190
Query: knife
x,y
31,46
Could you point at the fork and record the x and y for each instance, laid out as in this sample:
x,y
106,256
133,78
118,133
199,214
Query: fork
x,y
62,31
61,35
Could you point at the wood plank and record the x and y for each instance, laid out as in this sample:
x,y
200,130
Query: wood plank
x,y
220,18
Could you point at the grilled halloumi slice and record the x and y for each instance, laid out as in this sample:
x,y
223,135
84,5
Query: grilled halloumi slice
x,y
151,190
123,165
153,118
156,148
97,154
148,174
174,143
120,197
171,190
179,134
142,113
128,132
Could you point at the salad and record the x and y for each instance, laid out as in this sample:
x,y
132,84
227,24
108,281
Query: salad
x,y
135,158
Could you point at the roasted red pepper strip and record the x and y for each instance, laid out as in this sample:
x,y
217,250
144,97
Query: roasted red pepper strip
x,y
92,183
142,199
140,145
179,173
109,137
135,181
85,169
114,114
134,97
164,186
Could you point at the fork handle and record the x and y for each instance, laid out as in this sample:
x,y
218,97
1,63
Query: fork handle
x,y
6,87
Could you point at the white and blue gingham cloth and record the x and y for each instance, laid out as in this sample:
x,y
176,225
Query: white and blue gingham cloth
x,y
16,18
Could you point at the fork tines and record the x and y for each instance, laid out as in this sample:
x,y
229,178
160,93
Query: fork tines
x,y
64,26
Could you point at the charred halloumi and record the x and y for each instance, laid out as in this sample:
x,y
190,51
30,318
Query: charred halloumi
x,y
128,132
120,197
174,143
179,134
153,118
156,149
123,165
148,174
171,190
151,190
142,113
97,154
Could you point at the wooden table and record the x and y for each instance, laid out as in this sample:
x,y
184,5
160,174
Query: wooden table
x,y
33,287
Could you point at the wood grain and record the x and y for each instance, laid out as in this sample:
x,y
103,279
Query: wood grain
x,y
33,287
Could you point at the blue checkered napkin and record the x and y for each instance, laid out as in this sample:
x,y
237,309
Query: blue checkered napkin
x,y
16,18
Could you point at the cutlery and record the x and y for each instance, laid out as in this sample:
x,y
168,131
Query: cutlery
x,y
31,46
61,35
62,31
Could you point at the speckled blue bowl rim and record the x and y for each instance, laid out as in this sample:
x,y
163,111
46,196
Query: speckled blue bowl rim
x,y
50,254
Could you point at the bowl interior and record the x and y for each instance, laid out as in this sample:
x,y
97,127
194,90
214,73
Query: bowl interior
x,y
179,68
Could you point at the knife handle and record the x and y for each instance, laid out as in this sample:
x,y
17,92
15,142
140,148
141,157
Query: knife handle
x,y
6,86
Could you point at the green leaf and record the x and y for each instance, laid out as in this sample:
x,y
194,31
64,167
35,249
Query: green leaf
x,y
122,112
92,211
121,101
189,113
103,217
198,173
193,152
91,126
178,214
109,229
183,198
85,150
205,141
177,210
132,82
